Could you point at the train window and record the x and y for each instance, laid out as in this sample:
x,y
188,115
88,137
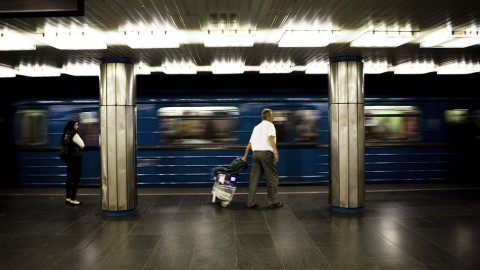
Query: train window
x,y
463,125
305,124
296,125
476,122
89,127
456,116
282,125
198,125
30,127
392,123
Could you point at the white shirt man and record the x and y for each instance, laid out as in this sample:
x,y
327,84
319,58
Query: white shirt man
x,y
263,142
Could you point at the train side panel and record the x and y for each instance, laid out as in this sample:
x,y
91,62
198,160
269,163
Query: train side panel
x,y
171,157
37,129
179,141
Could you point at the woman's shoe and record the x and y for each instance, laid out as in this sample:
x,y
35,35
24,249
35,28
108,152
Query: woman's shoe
x,y
75,202
68,200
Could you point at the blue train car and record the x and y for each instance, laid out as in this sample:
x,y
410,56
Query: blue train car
x,y
421,139
180,139
37,128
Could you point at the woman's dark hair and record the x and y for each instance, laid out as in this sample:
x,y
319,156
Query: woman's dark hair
x,y
69,130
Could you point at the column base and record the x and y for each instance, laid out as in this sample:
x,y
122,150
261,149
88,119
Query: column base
x,y
337,209
119,213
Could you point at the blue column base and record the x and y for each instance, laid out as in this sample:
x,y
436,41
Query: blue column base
x,y
346,210
119,213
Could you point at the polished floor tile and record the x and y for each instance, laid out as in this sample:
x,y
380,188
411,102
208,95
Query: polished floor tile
x,y
400,227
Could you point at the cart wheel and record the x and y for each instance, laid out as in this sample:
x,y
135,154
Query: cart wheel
x,y
225,203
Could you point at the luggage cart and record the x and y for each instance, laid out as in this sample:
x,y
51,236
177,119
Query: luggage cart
x,y
225,180
223,188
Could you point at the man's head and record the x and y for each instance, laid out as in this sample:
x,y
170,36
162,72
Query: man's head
x,y
267,114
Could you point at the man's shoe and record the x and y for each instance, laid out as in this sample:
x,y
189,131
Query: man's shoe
x,y
68,200
75,202
275,205
255,205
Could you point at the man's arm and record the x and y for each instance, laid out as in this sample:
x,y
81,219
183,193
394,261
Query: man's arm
x,y
247,150
271,139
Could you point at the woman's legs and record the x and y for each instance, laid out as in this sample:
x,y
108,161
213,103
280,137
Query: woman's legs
x,y
68,179
75,177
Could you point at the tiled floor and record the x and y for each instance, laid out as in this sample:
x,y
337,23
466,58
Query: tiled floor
x,y
402,227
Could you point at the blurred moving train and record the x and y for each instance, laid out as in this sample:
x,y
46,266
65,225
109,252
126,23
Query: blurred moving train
x,y
179,139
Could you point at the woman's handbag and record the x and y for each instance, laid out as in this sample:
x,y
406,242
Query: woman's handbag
x,y
75,151
64,152
70,149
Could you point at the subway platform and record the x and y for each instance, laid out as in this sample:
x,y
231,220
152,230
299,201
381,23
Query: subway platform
x,y
415,226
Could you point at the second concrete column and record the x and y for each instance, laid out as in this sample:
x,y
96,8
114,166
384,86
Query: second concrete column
x,y
118,136
347,134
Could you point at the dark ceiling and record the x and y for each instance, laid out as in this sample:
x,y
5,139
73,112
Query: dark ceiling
x,y
201,15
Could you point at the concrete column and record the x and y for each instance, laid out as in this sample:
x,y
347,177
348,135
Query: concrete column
x,y
347,134
118,136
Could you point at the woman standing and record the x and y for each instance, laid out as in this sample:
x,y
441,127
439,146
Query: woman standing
x,y
71,140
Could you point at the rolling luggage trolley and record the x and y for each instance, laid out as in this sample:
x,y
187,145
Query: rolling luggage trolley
x,y
225,180
223,188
